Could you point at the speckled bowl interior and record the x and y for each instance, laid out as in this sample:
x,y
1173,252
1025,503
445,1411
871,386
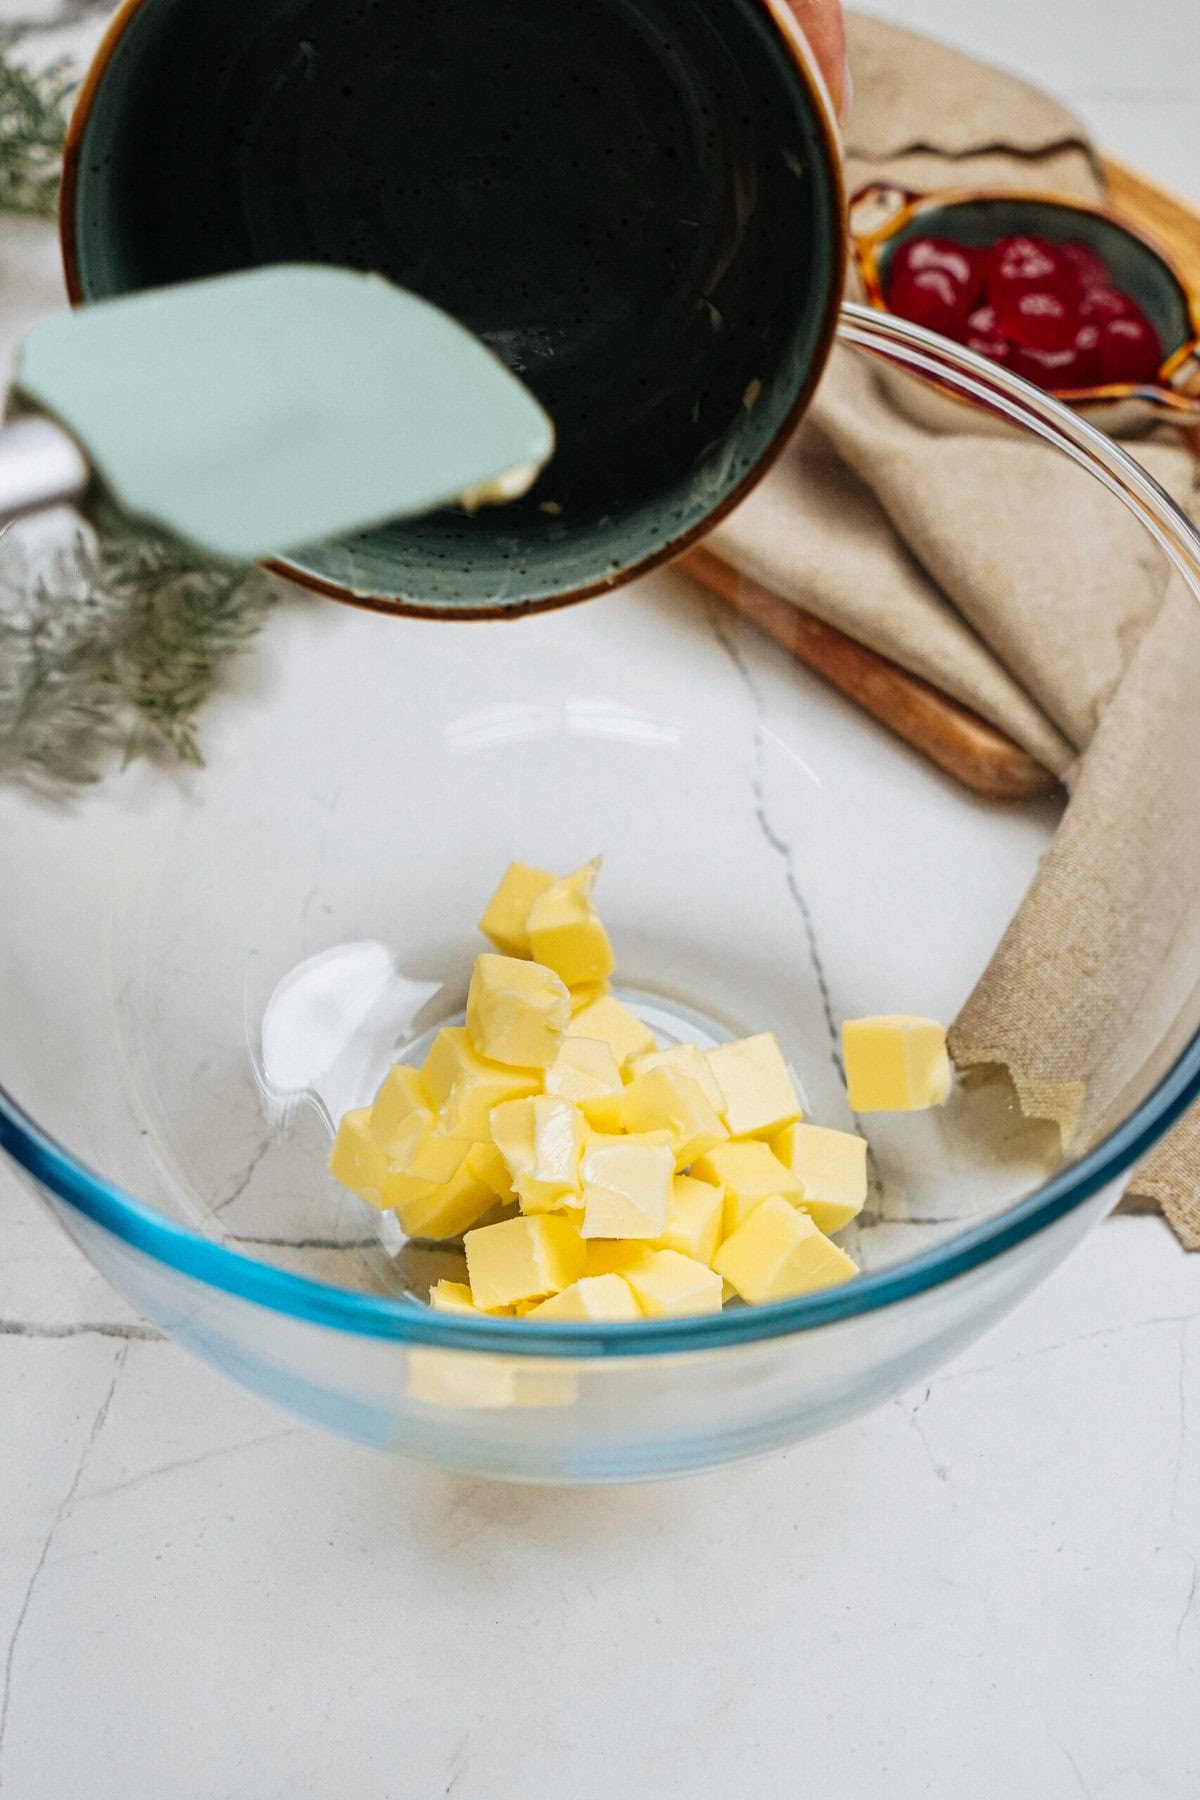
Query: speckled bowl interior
x,y
636,205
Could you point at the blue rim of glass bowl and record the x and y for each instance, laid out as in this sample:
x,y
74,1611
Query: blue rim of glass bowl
x,y
366,1315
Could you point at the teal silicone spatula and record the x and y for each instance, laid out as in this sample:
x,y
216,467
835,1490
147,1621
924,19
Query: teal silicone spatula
x,y
252,413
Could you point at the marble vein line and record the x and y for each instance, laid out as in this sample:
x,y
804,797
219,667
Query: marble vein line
x,y
63,1508
774,841
246,1177
1083,1337
108,1328
187,1462
1173,1510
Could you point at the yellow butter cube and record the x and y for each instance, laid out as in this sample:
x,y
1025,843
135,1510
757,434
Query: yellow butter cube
x,y
444,1210
895,1063
511,1126
626,1185
585,1072
487,1163
779,1252
667,1285
614,1025
505,920
357,1159
586,992
402,1093
759,1096
831,1167
466,1379
455,1297
614,1256
665,1100
522,1259
514,1127
517,1012
421,1153
695,1215
565,932
749,1172
595,1299
465,1086
685,1059
558,1137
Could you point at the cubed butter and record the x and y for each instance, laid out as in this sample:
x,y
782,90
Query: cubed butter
x,y
586,992
466,1379
565,932
665,1100
626,1185
831,1167
420,1156
455,1297
465,1086
614,1256
685,1059
517,1012
442,1211
585,1072
488,1164
593,1299
668,1285
506,919
779,1252
614,1025
558,1138
401,1094
695,1214
757,1089
749,1172
895,1063
357,1159
523,1259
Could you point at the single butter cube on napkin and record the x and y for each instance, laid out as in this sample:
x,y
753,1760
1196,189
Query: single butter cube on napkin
x,y
750,1173
778,1253
831,1167
517,1011
626,1185
664,1100
465,1086
506,920
522,1259
757,1090
895,1063
593,1298
585,1072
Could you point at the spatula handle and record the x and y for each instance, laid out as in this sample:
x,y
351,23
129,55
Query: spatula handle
x,y
41,465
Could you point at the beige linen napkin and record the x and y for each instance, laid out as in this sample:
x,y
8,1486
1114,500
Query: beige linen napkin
x,y
1015,583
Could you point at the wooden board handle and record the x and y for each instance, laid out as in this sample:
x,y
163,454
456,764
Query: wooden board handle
x,y
942,729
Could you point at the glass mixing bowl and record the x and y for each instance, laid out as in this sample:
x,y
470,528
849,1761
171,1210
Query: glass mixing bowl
x,y
772,860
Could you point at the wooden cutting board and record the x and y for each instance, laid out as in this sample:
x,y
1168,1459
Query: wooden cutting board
x,y
940,728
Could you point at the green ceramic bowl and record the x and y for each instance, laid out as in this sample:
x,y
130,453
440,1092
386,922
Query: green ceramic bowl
x,y
637,205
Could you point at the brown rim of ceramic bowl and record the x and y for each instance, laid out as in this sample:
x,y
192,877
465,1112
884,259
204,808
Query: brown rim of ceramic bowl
x,y
796,44
1174,405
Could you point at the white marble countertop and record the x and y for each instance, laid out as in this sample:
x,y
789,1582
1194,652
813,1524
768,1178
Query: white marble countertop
x,y
989,1588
